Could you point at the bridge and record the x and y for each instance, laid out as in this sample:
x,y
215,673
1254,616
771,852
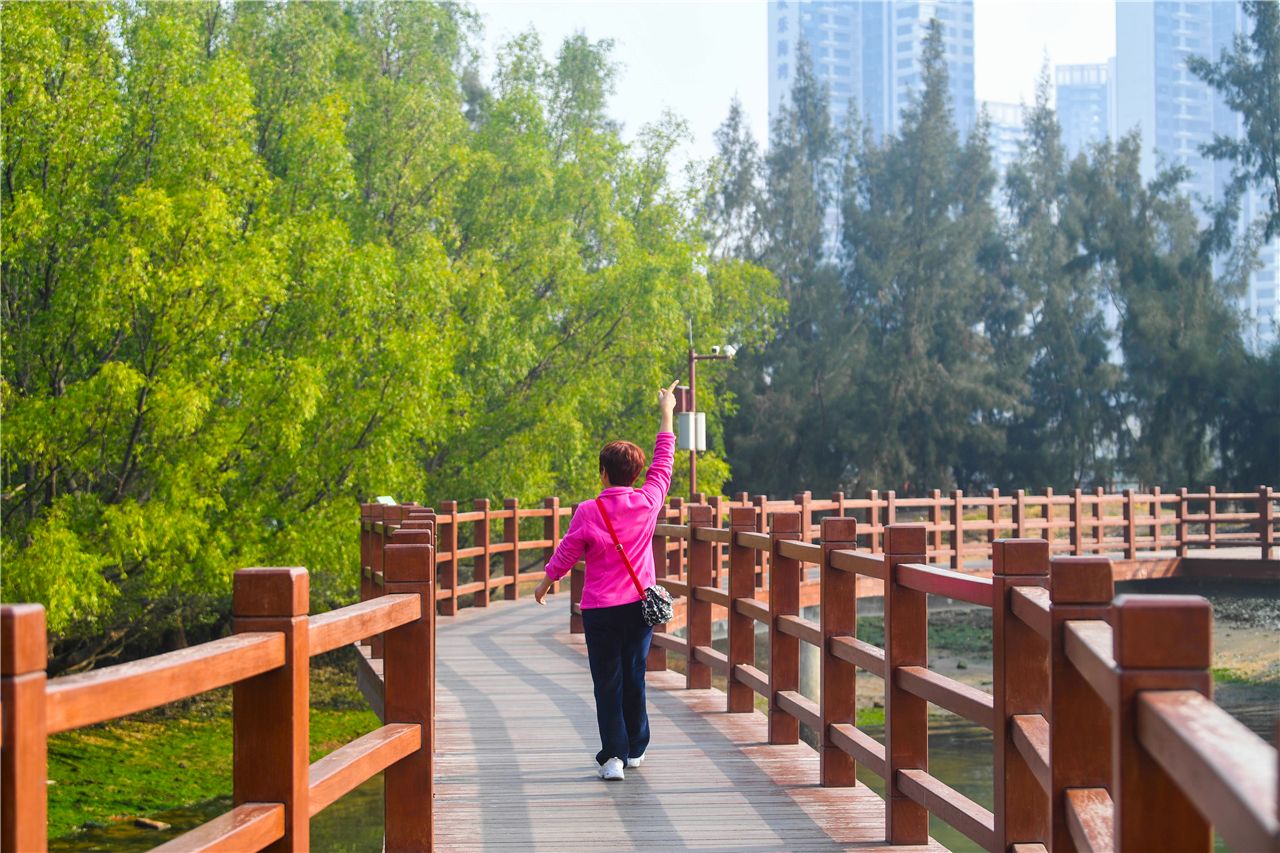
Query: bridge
x,y
1104,730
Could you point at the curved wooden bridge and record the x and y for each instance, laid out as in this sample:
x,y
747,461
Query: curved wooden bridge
x,y
1105,735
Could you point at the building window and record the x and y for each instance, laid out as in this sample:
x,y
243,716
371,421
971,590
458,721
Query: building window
x,y
842,70
782,71
904,29
782,25
904,63
842,21
783,48
841,53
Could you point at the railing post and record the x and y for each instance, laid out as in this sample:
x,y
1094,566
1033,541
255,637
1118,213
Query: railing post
x,y
761,503
1156,505
1180,524
1048,518
804,501
377,544
657,659
481,537
906,728
1161,642
873,519
1020,685
409,698
717,548
839,617
742,628
1266,521
935,526
1020,514
1130,527
993,517
551,531
449,541
957,530
1079,719
784,649
1099,525
676,567
511,559
1077,522
270,712
367,515
698,612
24,771
1211,526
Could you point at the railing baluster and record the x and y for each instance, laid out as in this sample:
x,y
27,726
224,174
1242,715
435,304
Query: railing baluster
x,y
449,540
784,650
762,526
1266,521
1130,527
839,617
511,559
551,530
409,698
24,758
906,715
480,564
270,712
957,530
1020,685
1161,642
657,659
698,613
1211,526
1079,719
718,513
742,628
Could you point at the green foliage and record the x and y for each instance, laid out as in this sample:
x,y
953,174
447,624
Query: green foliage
x,y
1080,339
263,261
1247,76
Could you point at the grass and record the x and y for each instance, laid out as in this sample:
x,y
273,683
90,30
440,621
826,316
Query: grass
x,y
959,632
181,754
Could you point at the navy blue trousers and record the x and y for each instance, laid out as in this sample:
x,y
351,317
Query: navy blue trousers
x,y
617,646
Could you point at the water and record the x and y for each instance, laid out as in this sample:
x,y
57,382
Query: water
x,y
351,825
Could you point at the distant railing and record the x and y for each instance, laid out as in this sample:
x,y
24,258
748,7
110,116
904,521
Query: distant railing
x,y
275,790
1105,737
490,543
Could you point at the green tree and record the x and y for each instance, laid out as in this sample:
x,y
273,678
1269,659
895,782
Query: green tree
x,y
1247,75
1064,432
920,233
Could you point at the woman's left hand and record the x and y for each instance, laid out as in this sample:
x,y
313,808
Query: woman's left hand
x,y
541,591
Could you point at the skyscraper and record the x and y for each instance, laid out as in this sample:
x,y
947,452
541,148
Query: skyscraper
x,y
1007,132
868,54
1176,113
1083,104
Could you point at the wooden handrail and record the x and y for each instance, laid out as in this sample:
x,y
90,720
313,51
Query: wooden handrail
x,y
958,698
945,582
1088,647
349,624
342,770
251,826
1225,768
1090,817
75,701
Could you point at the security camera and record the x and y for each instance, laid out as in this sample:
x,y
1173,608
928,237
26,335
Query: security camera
x,y
730,350
715,350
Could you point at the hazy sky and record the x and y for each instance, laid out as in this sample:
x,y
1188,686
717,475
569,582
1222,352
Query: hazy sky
x,y
694,57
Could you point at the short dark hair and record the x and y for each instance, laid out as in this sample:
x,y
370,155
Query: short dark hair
x,y
622,462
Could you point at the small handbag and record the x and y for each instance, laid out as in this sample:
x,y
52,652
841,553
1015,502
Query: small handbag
x,y
655,602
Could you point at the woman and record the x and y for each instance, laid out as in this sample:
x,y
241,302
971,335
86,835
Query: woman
x,y
617,637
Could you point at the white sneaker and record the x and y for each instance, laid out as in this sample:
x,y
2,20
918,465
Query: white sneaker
x,y
637,761
611,770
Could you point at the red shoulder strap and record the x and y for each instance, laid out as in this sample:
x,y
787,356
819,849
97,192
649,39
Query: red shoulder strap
x,y
618,545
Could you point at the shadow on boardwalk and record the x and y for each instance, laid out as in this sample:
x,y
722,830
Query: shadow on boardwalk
x,y
517,735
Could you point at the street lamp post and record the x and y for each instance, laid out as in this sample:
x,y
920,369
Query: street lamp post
x,y
717,354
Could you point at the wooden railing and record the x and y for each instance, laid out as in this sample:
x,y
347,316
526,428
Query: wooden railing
x,y
961,528
275,790
1104,734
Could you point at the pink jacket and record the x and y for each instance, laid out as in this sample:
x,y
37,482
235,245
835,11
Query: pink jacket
x,y
634,512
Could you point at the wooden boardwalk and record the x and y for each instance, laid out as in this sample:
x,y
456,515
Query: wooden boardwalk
x,y
516,731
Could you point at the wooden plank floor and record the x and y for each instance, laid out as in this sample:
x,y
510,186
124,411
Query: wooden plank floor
x,y
515,766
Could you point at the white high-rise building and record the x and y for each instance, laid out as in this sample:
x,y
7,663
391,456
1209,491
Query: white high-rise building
x,y
1082,96
868,54
1176,113
1008,129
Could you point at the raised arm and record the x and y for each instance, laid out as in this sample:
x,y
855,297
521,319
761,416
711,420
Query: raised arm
x,y
667,407
658,478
